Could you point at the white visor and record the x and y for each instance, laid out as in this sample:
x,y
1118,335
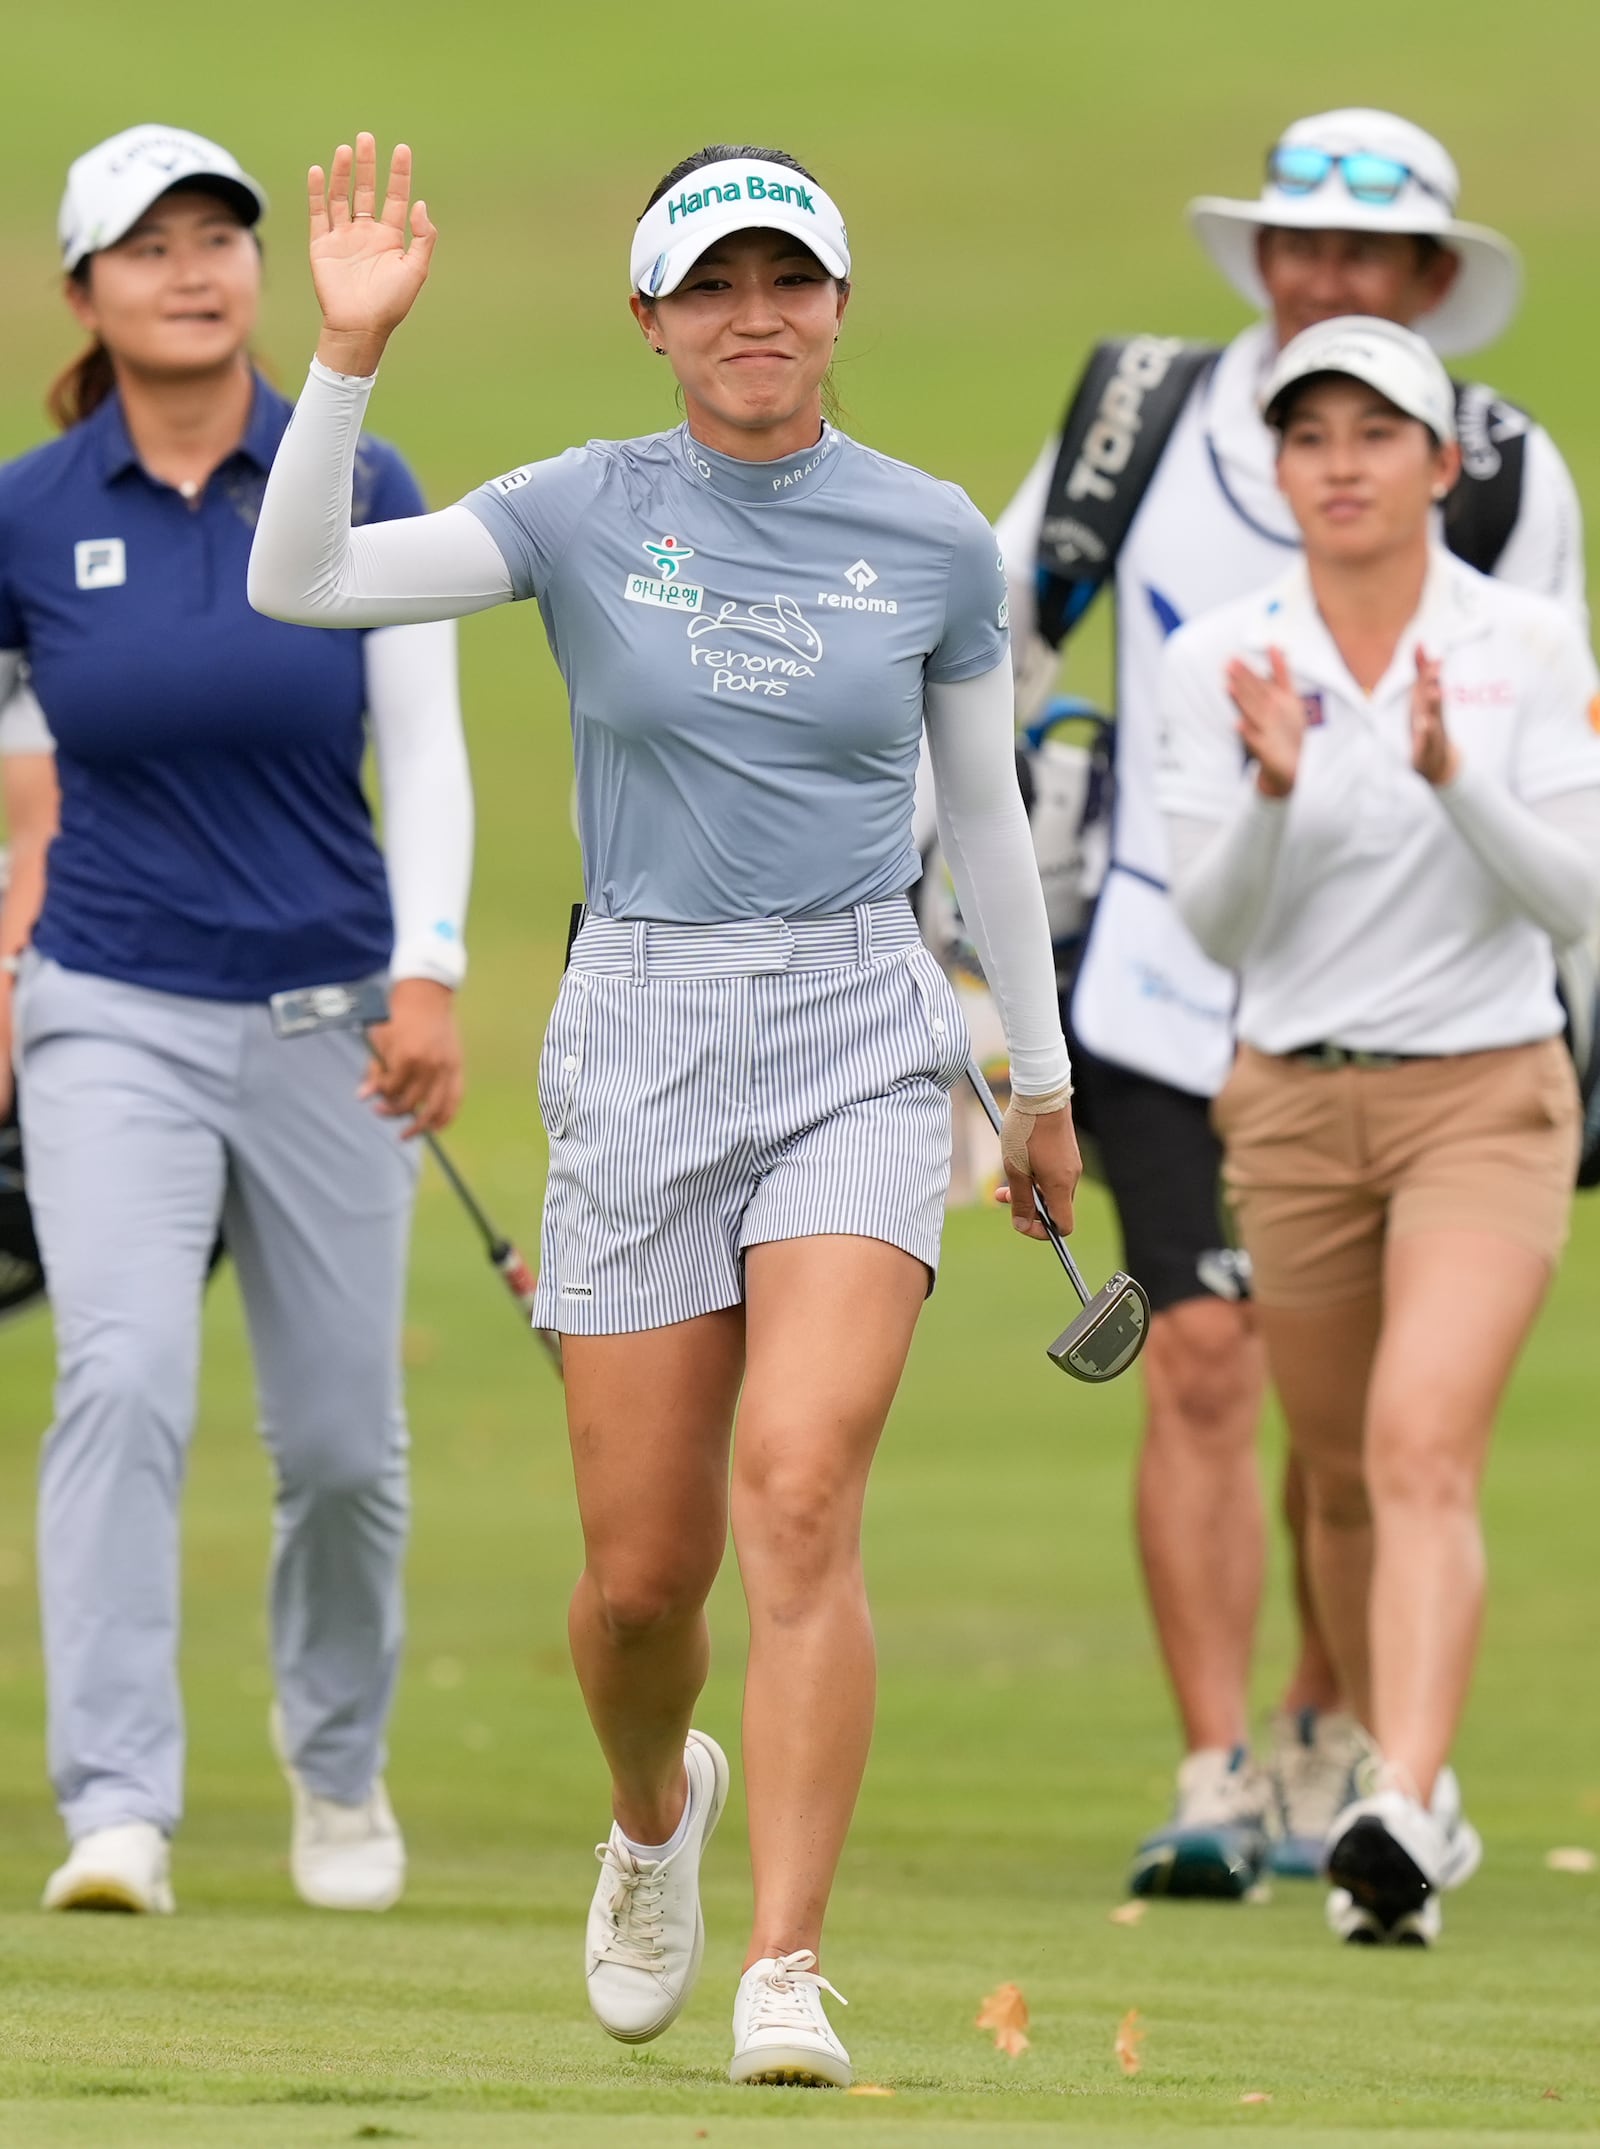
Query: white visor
x,y
742,194
1394,361
112,185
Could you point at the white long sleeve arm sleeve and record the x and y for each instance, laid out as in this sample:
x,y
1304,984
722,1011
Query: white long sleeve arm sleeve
x,y
983,829
1221,872
308,566
1545,856
414,708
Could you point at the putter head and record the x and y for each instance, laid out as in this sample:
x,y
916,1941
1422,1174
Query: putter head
x,y
1108,1335
310,1008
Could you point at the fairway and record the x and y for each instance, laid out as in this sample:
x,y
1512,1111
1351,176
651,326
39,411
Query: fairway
x,y
1013,183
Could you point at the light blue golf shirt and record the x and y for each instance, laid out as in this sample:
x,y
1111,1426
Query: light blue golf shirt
x,y
746,647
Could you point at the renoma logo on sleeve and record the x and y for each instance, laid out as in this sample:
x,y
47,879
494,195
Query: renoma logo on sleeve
x,y
860,577
664,588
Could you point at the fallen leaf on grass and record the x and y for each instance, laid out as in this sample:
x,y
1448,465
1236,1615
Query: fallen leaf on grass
x,y
868,2089
1256,2096
1549,2096
1571,1859
1005,2012
1128,1913
1130,2036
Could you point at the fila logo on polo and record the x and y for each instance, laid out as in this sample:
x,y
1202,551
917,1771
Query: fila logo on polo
x,y
664,588
860,577
100,562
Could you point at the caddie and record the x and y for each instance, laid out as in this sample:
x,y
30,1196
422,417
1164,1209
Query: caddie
x,y
1161,484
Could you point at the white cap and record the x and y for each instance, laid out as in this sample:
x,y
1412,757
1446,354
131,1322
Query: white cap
x,y
110,186
1397,363
1479,304
740,194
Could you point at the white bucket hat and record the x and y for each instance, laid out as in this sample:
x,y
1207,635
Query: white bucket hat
x,y
740,194
1483,298
110,186
1394,360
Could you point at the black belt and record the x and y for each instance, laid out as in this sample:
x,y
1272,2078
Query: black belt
x,y
1331,1056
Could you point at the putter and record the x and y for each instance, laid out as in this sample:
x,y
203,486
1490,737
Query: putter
x,y
1108,1335
359,1006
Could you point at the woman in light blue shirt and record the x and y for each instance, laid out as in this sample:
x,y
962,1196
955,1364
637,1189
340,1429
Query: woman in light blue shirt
x,y
746,1076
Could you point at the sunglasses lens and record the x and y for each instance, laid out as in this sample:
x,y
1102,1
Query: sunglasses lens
x,y
1298,171
1374,179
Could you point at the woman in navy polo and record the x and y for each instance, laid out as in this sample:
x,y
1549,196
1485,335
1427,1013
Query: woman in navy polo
x,y
215,847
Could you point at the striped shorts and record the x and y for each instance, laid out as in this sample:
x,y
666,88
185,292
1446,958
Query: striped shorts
x,y
707,1088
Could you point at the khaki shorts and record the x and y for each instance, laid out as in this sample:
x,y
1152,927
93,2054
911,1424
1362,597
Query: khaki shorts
x,y
1323,1165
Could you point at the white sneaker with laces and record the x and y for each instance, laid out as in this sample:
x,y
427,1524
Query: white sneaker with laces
x,y
780,2033
1390,1858
342,1857
646,1934
1314,1761
125,1867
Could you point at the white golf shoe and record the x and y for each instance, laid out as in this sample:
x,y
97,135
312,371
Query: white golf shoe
x,y
342,1857
127,1867
780,2033
1390,1859
1314,1764
646,1935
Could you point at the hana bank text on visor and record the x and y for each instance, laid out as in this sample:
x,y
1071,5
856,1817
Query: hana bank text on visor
x,y
736,196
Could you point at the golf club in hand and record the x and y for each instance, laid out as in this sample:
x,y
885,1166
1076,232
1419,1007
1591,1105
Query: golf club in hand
x,y
1108,1335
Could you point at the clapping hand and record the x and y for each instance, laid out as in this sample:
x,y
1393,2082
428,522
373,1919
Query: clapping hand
x,y
366,276
1272,722
1433,752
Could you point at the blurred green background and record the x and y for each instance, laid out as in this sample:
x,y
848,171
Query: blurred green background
x,y
1013,180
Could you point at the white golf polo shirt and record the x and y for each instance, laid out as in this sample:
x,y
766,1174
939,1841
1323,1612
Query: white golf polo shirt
x,y
1383,930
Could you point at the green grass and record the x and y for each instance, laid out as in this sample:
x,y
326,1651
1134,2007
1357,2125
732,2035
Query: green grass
x,y
1012,180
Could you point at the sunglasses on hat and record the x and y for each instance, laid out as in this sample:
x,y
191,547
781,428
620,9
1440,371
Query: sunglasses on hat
x,y
1369,178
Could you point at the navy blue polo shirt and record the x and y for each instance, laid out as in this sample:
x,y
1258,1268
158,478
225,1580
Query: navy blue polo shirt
x,y
215,838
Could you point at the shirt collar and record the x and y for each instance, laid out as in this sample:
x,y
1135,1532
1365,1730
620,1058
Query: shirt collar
x,y
790,478
1453,610
268,422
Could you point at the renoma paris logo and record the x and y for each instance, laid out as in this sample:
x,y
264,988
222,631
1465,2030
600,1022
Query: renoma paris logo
x,y
668,553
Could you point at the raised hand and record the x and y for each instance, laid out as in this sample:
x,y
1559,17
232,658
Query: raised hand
x,y
1272,722
366,277
1434,755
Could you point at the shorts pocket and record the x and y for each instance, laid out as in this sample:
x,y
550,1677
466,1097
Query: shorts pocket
x,y
950,1046
561,1061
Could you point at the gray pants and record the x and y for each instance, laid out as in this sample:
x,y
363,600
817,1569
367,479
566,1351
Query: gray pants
x,y
147,1118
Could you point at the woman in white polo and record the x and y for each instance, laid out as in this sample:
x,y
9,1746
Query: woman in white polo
x,y
1414,829
746,1076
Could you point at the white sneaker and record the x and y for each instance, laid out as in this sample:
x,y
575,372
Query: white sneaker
x,y
342,1857
780,2033
1315,1756
1360,1928
128,1867
1216,1842
646,1934
1393,1857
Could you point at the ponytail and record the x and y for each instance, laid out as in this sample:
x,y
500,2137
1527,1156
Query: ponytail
x,y
80,388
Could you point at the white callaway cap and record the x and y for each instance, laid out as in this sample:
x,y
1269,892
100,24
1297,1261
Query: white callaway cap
x,y
1480,303
741,194
1402,368
110,186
